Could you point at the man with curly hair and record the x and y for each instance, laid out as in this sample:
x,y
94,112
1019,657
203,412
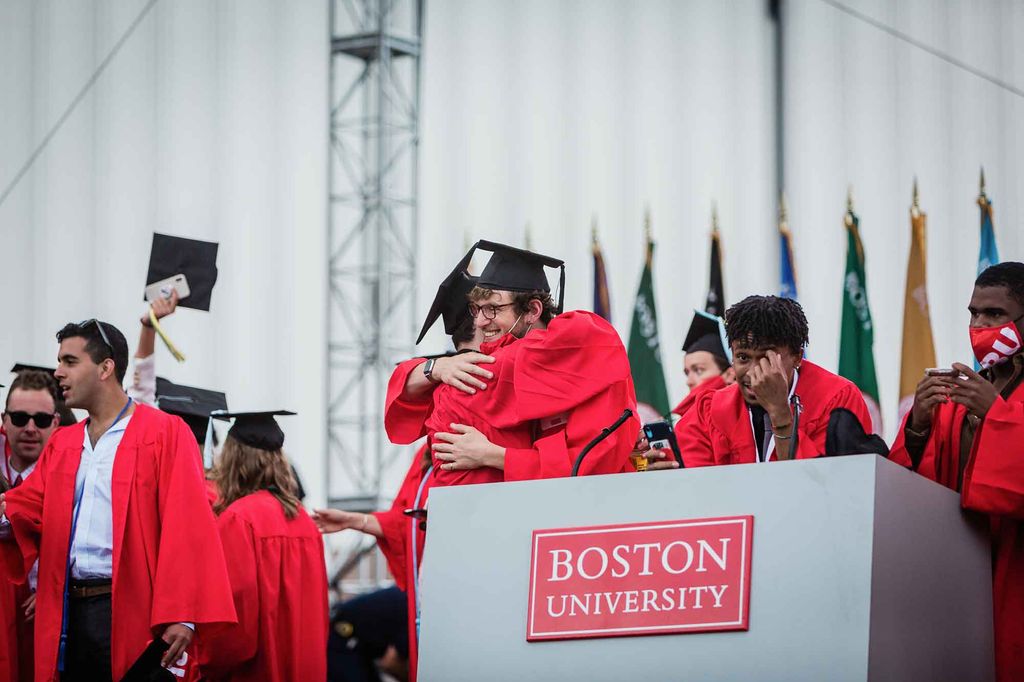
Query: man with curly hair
x,y
753,420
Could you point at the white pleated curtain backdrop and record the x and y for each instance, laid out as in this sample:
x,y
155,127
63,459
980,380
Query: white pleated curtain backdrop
x,y
211,124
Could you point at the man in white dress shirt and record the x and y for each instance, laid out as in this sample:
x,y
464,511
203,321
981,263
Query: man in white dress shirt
x,y
97,502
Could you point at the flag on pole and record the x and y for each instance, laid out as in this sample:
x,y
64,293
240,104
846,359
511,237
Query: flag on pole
x,y
787,265
602,299
918,345
856,354
988,254
644,349
715,303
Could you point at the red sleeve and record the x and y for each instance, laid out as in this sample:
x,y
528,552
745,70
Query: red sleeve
x,y
25,513
190,583
553,455
231,645
579,356
404,418
994,478
395,525
898,453
694,434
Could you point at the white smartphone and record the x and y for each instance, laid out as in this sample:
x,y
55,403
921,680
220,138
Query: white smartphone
x,y
164,287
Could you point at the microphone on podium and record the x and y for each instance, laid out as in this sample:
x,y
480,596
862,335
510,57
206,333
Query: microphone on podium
x,y
605,432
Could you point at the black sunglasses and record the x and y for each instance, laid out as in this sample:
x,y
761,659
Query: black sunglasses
x,y
42,419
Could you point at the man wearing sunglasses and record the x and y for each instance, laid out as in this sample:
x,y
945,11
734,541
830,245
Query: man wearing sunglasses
x,y
117,514
30,418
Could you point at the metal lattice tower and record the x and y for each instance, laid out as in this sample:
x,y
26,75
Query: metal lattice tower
x,y
372,227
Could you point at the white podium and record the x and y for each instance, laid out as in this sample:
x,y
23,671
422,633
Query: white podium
x,y
860,570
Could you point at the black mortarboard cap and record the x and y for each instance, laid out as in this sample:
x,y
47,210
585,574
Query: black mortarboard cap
x,y
256,429
187,400
512,269
195,259
707,333
451,302
21,367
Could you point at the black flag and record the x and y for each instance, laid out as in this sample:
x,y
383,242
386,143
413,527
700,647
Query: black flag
x,y
716,292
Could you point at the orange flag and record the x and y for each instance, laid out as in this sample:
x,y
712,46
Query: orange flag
x,y
918,344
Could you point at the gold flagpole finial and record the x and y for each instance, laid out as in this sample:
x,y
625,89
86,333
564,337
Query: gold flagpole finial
x,y
647,224
848,218
981,183
714,217
915,206
783,212
593,229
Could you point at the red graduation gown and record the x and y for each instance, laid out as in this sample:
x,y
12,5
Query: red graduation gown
x,y
397,543
993,485
565,383
168,562
8,630
404,418
710,385
718,430
279,584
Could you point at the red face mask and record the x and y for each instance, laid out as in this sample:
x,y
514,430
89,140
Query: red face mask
x,y
995,345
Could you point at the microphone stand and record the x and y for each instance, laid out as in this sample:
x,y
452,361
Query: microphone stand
x,y
605,432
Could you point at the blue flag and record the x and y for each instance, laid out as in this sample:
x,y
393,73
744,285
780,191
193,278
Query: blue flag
x,y
787,270
988,254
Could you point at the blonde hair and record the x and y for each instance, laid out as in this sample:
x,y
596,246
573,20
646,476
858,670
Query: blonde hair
x,y
243,470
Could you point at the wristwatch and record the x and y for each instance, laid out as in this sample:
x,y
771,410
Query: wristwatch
x,y
428,370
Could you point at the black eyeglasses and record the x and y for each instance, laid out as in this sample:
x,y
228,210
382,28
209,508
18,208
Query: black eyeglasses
x,y
103,334
20,419
489,311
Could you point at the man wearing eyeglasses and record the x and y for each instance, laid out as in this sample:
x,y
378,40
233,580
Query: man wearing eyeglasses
x,y
116,512
30,418
562,376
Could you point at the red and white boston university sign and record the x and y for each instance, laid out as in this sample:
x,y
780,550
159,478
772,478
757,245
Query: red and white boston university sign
x,y
640,579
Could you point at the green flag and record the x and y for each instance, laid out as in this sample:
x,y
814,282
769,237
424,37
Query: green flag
x,y
644,349
856,357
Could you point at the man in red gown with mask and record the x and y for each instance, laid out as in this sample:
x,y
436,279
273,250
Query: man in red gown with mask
x,y
966,431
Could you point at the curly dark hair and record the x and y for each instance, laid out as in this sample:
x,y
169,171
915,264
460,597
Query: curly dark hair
x,y
762,321
1009,274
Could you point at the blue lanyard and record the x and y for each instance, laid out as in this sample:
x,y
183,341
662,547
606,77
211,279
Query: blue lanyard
x,y
79,494
413,523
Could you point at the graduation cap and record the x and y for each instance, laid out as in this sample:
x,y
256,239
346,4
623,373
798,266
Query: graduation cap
x,y
512,269
451,302
188,401
20,367
197,260
707,333
255,429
